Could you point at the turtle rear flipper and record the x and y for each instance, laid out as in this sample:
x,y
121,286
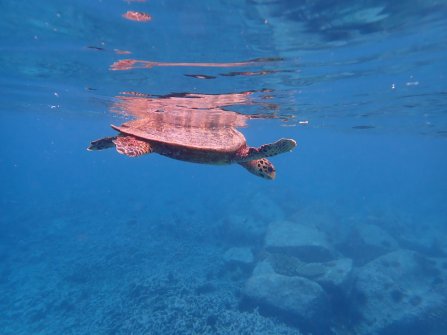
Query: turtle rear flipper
x,y
272,149
102,143
260,167
131,146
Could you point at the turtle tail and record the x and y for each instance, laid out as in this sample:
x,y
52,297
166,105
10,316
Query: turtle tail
x,y
102,143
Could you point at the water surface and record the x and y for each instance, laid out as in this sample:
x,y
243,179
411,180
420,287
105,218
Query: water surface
x,y
99,243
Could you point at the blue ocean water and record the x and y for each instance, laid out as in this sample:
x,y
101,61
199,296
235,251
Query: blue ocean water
x,y
348,239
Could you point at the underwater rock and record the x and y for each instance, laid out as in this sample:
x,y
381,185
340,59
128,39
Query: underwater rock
x,y
302,299
264,208
367,242
239,255
292,266
305,242
243,229
376,236
324,217
262,268
404,291
330,275
337,274
427,238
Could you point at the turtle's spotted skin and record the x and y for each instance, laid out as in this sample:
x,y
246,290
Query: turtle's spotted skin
x,y
132,147
198,141
260,167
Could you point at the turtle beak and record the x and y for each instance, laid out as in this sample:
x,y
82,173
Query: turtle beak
x,y
101,144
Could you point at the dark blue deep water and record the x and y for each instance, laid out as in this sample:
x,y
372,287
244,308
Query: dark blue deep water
x,y
349,239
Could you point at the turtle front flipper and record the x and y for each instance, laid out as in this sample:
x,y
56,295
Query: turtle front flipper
x,y
260,167
268,150
102,143
131,146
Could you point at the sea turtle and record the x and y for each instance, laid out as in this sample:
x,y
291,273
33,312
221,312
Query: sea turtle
x,y
192,141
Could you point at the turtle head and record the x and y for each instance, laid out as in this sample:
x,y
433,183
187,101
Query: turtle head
x,y
260,167
101,144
